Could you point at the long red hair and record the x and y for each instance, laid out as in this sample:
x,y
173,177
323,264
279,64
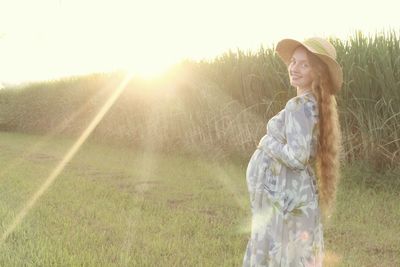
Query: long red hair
x,y
330,139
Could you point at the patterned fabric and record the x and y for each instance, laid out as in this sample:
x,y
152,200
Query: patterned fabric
x,y
286,227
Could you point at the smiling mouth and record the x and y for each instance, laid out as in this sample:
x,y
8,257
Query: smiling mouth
x,y
294,76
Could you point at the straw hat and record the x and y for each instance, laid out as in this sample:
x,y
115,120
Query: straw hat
x,y
319,47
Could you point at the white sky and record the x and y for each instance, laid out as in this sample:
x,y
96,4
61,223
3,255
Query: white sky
x,y
45,39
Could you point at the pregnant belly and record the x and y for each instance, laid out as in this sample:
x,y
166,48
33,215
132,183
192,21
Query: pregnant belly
x,y
262,172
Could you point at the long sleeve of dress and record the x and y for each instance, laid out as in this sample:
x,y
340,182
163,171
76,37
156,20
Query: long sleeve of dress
x,y
300,123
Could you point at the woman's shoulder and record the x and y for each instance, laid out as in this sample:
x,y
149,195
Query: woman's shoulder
x,y
306,101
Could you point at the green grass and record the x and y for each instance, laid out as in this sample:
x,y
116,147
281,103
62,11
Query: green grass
x,y
365,229
112,206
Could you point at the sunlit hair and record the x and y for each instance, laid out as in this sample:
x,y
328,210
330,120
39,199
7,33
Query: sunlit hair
x,y
329,140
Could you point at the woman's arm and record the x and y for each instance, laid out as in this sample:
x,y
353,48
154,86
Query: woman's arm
x,y
300,123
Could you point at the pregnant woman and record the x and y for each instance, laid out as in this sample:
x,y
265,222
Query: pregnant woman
x,y
292,175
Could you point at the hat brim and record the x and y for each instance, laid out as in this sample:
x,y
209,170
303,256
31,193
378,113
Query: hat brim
x,y
286,47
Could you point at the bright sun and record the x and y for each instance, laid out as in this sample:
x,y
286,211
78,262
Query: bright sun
x,y
75,37
147,69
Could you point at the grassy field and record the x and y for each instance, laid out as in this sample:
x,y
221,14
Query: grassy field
x,y
116,207
221,105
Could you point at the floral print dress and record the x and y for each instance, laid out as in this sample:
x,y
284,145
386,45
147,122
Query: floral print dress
x,y
286,228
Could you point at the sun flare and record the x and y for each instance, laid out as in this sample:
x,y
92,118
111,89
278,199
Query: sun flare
x,y
68,156
147,69
80,37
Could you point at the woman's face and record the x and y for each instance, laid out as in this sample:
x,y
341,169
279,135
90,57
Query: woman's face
x,y
300,71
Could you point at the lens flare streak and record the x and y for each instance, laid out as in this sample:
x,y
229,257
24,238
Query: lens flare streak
x,y
69,155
